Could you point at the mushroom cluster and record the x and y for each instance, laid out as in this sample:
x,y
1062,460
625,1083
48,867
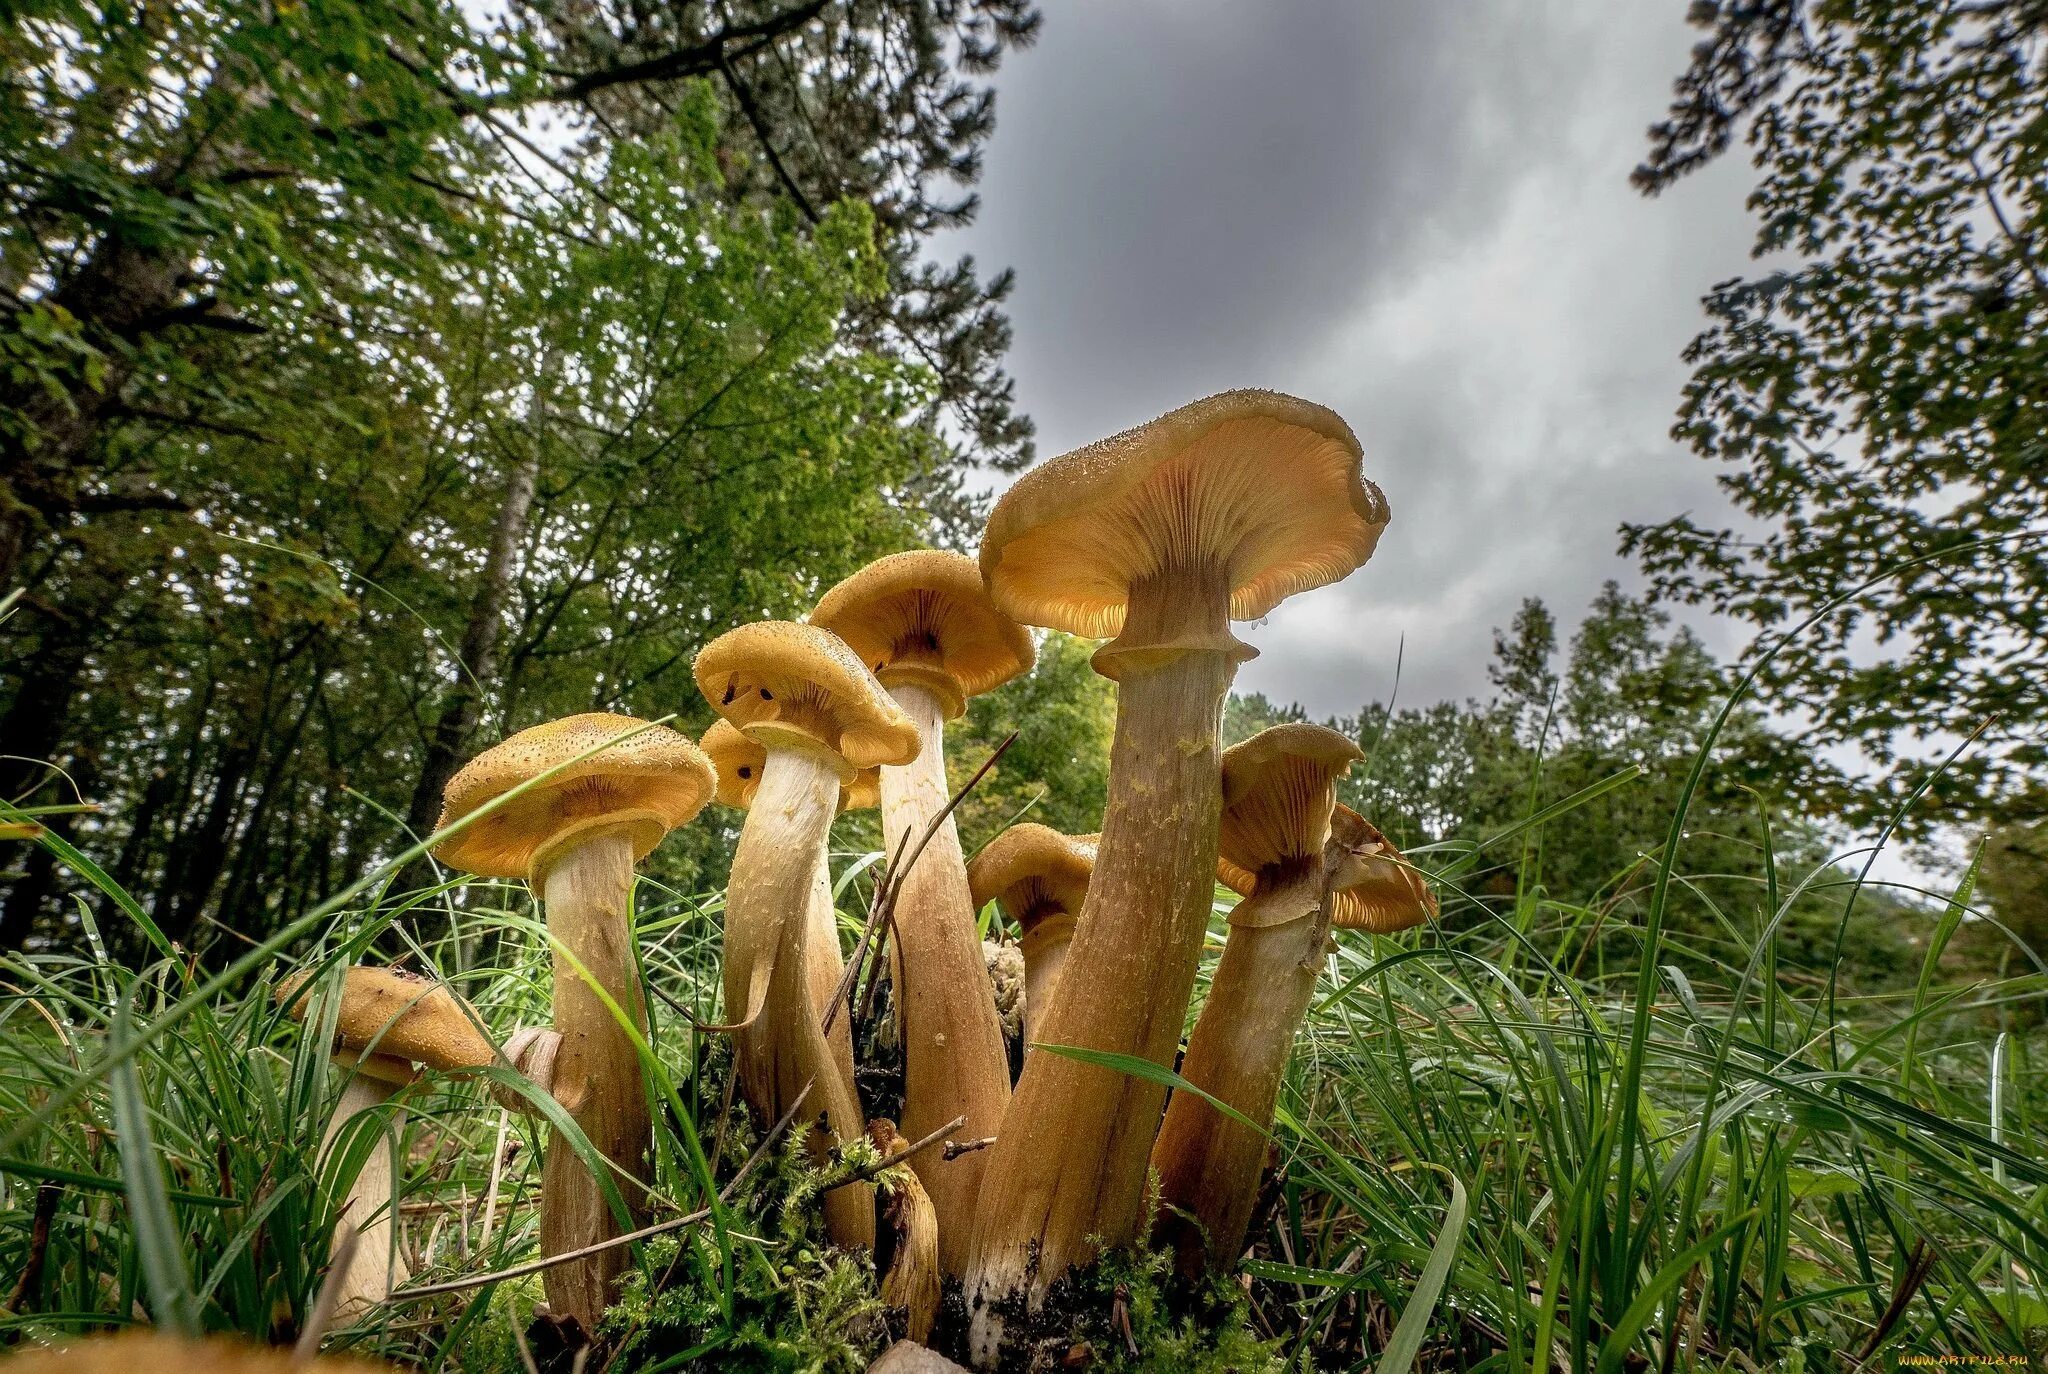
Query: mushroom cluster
x,y
1154,540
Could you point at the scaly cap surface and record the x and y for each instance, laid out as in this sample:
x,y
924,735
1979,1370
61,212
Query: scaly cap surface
x,y
154,1352
785,683
1278,788
649,784
1264,486
924,617
394,1020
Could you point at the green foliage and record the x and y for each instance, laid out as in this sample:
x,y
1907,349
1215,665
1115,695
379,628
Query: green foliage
x,y
1633,697
374,382
1868,398
1057,773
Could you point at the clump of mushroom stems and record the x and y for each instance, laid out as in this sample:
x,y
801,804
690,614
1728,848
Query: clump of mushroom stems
x,y
954,1059
1070,1159
770,910
586,884
1209,1165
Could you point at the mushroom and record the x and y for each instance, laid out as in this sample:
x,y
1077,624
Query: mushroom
x,y
908,1229
739,762
1158,536
1281,850
925,625
162,1353
1039,876
386,1025
820,717
605,790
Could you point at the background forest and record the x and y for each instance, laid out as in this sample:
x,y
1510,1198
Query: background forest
x,y
378,379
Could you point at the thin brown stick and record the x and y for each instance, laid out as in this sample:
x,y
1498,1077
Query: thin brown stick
x,y
868,1171
956,1148
47,1197
891,883
519,1271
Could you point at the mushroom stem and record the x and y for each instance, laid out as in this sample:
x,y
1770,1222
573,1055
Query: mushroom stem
x,y
1070,1159
377,1266
1044,944
954,1059
587,887
770,907
825,967
1209,1165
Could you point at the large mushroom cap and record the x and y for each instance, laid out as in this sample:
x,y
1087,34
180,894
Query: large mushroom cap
x,y
1377,888
648,782
153,1352
1277,794
925,617
1261,486
739,761
394,1020
790,684
1034,871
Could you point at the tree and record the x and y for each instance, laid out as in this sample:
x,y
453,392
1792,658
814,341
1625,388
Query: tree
x,y
1875,394
514,416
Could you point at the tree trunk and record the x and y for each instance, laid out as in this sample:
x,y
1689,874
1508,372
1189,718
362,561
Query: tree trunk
x,y
479,663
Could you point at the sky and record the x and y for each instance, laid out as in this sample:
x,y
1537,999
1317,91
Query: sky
x,y
1415,213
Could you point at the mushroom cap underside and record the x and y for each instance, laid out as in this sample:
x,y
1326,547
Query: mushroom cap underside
x,y
1264,488
1278,788
1051,866
924,615
777,680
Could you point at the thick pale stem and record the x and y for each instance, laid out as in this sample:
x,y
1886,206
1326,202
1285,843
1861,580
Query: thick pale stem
x,y
1209,1165
588,891
371,1208
954,1060
770,907
1044,946
1070,1159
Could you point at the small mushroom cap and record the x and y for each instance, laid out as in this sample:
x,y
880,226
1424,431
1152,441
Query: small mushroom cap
x,y
1278,788
739,761
154,1352
787,684
386,1015
1263,486
924,617
649,783
1377,888
1034,871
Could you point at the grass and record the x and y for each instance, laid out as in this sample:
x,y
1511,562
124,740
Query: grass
x,y
1500,1148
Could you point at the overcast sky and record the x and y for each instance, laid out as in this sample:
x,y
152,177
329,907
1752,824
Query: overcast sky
x,y
1415,213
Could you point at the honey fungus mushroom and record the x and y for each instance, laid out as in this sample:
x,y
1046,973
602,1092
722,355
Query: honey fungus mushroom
x,y
1039,877
388,1025
923,622
1279,789
819,717
599,793
1159,537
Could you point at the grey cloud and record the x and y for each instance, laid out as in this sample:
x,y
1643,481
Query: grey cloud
x,y
1416,213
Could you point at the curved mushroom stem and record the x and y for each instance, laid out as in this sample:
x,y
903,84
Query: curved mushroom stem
x,y
1044,945
954,1059
587,888
371,1206
1209,1165
769,909
1070,1159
